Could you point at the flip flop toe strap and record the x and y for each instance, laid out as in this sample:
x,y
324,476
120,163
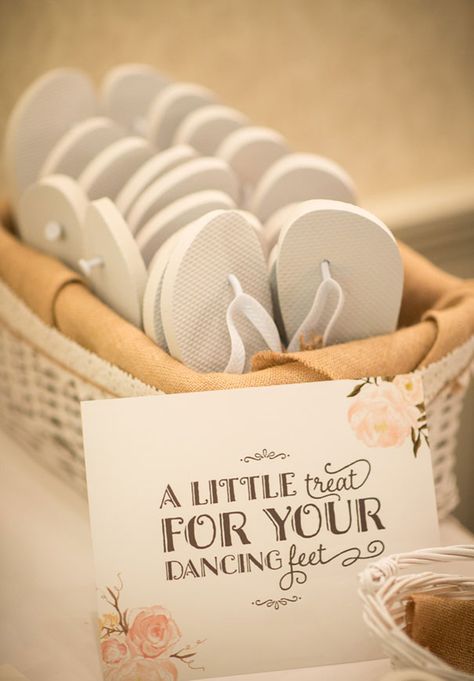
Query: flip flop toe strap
x,y
244,304
313,325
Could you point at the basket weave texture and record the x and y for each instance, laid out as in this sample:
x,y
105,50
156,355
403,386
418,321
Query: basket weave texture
x,y
385,588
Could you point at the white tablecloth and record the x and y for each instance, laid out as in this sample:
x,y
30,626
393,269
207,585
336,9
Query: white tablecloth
x,y
47,597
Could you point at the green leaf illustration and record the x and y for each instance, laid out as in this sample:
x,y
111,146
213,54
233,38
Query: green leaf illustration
x,y
417,445
355,391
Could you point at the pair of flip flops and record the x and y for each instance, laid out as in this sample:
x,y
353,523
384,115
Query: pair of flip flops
x,y
208,295
207,299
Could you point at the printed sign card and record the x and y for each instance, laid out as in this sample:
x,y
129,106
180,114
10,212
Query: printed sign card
x,y
229,527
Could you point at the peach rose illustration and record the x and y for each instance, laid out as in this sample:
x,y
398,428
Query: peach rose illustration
x,y
152,631
142,669
381,417
411,387
113,651
131,652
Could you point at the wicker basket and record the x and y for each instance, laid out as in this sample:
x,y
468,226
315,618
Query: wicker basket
x,y
44,375
384,590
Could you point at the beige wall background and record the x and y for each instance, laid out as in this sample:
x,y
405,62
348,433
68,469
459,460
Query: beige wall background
x,y
384,87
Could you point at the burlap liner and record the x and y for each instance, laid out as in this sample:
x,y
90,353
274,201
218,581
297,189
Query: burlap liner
x,y
445,626
437,316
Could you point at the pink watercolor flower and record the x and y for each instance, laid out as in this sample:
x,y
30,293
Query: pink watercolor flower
x,y
152,631
142,669
113,650
381,417
411,387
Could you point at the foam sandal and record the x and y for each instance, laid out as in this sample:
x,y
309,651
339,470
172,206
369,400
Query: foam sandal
x,y
150,171
127,92
300,177
170,107
152,322
250,151
107,173
83,142
196,175
206,128
215,298
176,216
330,261
112,261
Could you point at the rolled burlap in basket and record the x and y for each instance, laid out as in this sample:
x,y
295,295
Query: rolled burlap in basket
x,y
437,316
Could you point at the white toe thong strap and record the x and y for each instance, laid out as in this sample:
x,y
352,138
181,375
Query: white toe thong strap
x,y
244,304
329,297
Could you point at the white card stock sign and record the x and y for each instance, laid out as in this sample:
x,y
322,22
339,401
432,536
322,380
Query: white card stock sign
x,y
229,527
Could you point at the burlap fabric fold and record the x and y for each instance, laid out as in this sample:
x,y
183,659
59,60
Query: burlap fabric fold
x,y
445,626
437,316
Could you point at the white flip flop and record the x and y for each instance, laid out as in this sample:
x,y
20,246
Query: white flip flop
x,y
273,225
300,177
150,171
152,322
250,151
112,262
176,216
272,258
254,222
127,92
205,128
215,297
47,109
50,218
79,145
339,275
196,175
108,172
170,107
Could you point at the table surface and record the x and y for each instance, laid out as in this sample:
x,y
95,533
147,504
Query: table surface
x,y
47,593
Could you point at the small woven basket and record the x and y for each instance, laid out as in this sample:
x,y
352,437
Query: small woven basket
x,y
385,589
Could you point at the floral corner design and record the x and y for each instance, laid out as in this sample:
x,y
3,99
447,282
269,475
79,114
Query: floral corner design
x,y
141,644
386,411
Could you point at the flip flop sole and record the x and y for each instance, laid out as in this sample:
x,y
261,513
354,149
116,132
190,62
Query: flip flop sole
x,y
149,172
363,257
196,290
300,177
176,216
107,173
45,112
83,142
120,279
127,92
196,175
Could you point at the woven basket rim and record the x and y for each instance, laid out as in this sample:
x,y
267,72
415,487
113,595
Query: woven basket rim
x,y
184,379
383,577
